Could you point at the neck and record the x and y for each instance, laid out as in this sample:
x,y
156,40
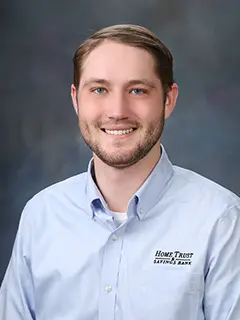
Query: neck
x,y
118,185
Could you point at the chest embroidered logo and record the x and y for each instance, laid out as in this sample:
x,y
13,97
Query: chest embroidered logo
x,y
173,257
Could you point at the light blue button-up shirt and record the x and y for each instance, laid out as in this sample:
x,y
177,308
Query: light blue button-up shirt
x,y
177,257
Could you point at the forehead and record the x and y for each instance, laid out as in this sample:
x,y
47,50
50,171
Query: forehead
x,y
118,62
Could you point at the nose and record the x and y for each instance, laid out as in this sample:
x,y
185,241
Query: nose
x,y
117,106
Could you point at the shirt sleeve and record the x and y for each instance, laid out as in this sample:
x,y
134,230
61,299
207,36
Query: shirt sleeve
x,y
222,283
16,293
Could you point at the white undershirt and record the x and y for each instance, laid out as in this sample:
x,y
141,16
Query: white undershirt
x,y
119,217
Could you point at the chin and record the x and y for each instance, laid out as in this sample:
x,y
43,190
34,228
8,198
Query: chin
x,y
119,165
118,162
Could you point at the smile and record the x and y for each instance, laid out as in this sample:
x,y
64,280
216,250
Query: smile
x,y
118,132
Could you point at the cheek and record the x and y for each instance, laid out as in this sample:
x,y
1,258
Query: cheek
x,y
151,115
149,110
89,110
157,113
89,113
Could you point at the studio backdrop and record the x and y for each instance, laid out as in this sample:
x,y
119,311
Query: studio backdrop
x,y
40,140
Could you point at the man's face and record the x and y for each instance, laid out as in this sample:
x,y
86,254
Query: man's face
x,y
119,104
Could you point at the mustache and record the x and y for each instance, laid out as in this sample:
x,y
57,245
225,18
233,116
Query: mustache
x,y
119,122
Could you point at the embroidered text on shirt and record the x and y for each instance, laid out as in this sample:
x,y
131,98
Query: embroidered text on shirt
x,y
173,257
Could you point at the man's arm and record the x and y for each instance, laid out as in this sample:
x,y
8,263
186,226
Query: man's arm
x,y
222,283
16,293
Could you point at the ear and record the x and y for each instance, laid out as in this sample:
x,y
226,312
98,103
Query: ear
x,y
171,100
74,98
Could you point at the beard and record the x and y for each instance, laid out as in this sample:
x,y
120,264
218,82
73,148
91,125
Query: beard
x,y
124,156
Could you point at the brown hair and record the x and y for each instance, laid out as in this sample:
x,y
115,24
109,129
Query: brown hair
x,y
132,35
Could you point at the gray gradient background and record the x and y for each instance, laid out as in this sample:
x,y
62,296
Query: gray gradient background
x,y
40,143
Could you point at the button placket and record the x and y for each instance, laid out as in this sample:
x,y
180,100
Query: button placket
x,y
109,277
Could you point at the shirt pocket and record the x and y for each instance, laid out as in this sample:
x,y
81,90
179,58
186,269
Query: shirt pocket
x,y
172,278
172,293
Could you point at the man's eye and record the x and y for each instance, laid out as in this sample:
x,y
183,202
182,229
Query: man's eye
x,y
138,91
98,90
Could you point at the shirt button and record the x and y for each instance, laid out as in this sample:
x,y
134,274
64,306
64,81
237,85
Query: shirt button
x,y
108,288
114,237
141,211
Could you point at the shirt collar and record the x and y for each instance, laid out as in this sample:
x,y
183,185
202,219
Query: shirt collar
x,y
154,186
146,196
94,196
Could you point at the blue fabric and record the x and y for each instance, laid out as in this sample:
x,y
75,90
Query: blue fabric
x,y
177,257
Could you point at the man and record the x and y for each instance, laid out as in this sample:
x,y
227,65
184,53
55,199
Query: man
x,y
134,238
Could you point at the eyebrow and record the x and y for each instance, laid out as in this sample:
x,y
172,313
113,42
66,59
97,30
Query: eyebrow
x,y
132,82
144,82
95,80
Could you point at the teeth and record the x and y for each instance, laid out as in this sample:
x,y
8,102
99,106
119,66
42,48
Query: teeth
x,y
118,132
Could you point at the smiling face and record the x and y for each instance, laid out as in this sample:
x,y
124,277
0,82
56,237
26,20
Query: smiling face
x,y
120,104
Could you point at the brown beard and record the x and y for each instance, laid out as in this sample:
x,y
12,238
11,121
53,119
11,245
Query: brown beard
x,y
151,137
